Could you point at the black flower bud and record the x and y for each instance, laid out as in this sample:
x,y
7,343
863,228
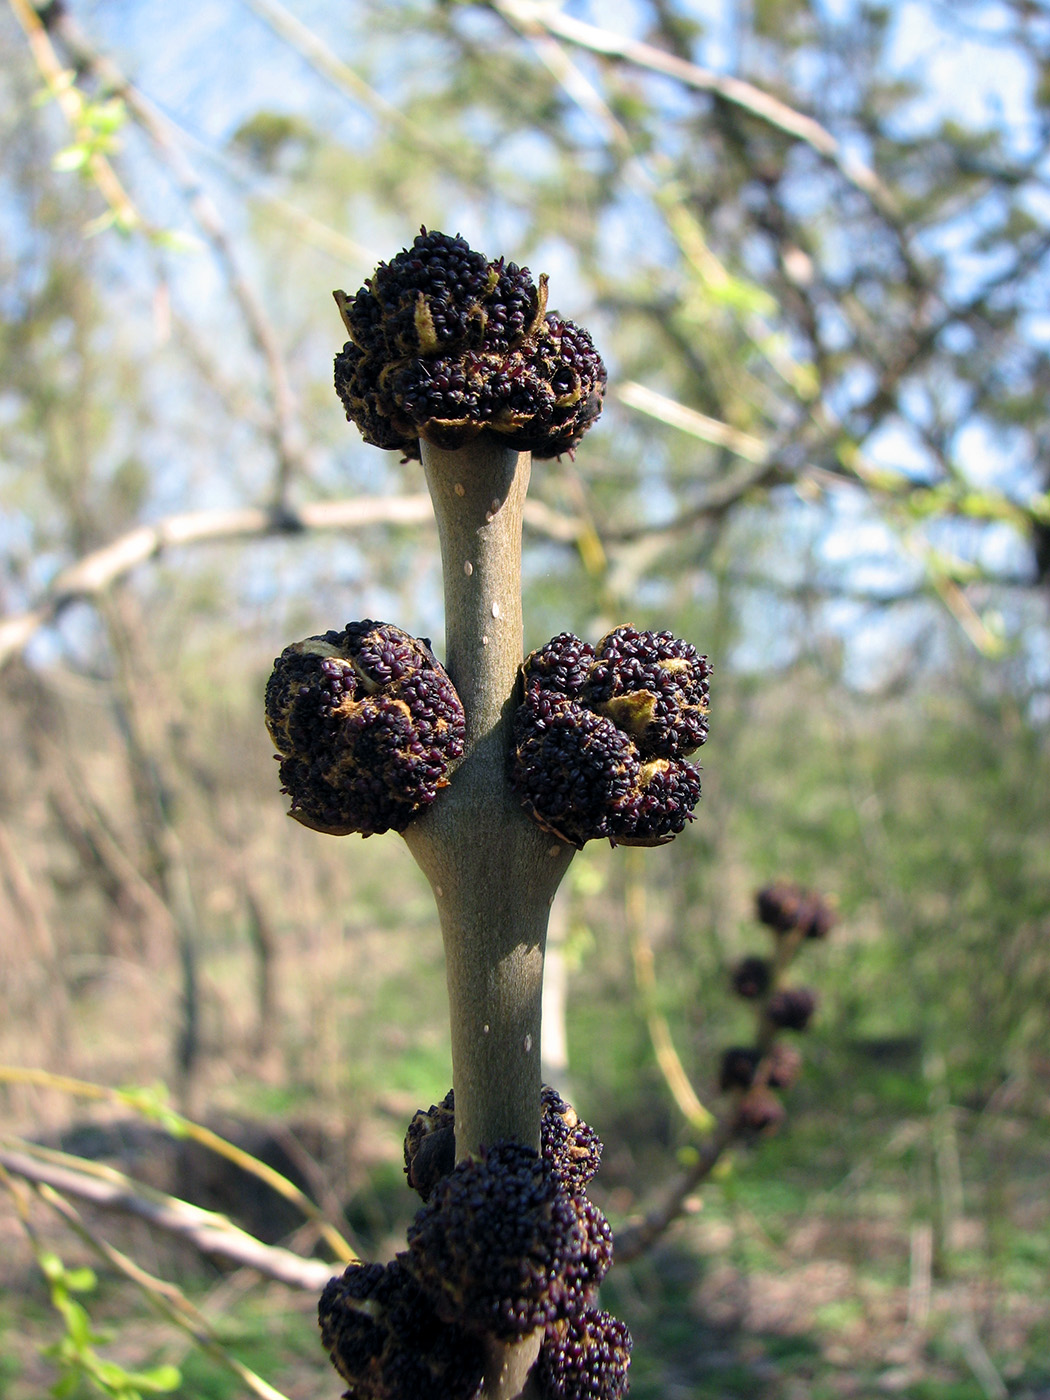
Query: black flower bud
x,y
585,1358
503,1248
761,1112
738,1067
792,1008
366,723
387,1343
602,734
786,907
445,345
569,1147
430,1145
751,978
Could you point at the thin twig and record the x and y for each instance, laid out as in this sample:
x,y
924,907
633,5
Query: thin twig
x,y
698,425
321,58
638,1236
165,1297
146,1104
285,434
207,1231
741,94
71,103
671,1067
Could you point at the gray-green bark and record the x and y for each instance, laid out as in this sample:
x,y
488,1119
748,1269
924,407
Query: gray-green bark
x,y
493,871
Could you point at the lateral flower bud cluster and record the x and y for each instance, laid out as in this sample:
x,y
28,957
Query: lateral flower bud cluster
x,y
366,723
602,735
388,1343
445,344
504,1248
506,1243
567,1144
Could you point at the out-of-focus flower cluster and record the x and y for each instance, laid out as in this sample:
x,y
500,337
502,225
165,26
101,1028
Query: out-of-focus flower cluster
x,y
753,1072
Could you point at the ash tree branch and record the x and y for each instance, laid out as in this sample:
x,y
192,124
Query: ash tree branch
x,y
634,1239
90,576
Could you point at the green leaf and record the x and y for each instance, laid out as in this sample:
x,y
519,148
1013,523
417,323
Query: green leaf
x,y
176,241
79,1325
81,1280
158,1379
152,1101
71,158
51,1266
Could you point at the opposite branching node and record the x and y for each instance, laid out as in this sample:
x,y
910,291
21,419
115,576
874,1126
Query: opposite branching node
x,y
366,723
568,1145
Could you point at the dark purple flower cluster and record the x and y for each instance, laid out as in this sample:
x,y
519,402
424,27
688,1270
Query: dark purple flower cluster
x,y
741,1063
366,723
602,735
752,1072
504,1248
445,345
585,1358
752,977
567,1144
791,1008
787,908
387,1342
506,1243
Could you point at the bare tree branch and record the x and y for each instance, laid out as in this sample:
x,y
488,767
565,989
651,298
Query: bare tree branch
x,y
206,1230
639,1235
285,434
741,94
89,577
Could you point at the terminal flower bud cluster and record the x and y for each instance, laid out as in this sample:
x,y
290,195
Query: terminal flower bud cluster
x,y
366,724
603,732
445,345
